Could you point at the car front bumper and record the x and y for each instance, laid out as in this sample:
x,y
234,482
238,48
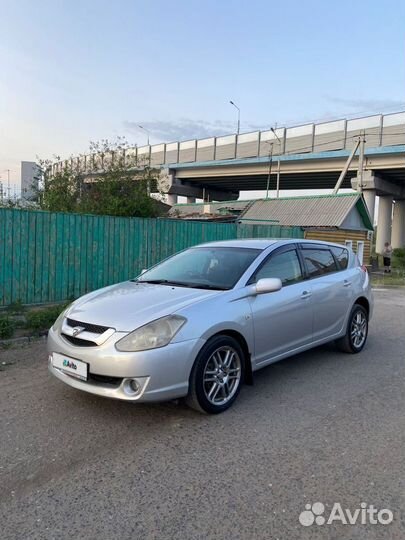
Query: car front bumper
x,y
162,374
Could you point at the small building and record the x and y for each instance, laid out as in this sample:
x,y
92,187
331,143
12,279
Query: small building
x,y
333,218
229,210
337,218
30,174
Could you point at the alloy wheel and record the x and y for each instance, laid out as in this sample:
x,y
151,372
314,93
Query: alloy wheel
x,y
222,375
358,329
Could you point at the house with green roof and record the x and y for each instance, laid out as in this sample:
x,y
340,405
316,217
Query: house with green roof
x,y
335,218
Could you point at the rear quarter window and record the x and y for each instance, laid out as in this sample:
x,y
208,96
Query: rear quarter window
x,y
342,257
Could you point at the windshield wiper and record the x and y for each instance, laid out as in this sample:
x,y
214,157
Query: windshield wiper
x,y
181,284
207,286
162,282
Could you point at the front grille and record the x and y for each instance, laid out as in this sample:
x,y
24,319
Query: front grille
x,y
79,342
115,381
93,328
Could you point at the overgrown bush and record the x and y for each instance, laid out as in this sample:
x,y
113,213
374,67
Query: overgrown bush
x,y
122,186
43,319
7,328
398,258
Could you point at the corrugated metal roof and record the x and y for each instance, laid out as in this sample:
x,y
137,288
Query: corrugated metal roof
x,y
198,208
308,211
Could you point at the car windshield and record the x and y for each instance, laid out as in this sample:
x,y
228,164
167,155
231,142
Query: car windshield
x,y
206,268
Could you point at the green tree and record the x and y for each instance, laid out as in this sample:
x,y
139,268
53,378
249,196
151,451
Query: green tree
x,y
109,180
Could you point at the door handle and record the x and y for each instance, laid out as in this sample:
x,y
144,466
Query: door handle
x,y
306,294
347,283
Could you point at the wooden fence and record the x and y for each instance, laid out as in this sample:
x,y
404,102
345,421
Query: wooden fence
x,y
50,257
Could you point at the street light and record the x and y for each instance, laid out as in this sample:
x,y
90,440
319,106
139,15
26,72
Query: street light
x,y
278,162
236,107
146,131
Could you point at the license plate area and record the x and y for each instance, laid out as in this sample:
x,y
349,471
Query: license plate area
x,y
71,366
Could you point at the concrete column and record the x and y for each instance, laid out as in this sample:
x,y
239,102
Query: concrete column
x,y
398,225
171,199
190,200
369,197
384,222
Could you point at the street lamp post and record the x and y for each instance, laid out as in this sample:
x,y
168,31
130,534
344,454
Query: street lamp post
x,y
146,131
236,107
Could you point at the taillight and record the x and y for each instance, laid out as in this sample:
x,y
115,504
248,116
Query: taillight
x,y
364,268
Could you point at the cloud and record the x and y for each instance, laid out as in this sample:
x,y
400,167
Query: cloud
x,y
186,128
370,105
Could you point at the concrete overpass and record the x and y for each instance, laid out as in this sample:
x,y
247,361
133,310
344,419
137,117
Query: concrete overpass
x,y
384,176
311,156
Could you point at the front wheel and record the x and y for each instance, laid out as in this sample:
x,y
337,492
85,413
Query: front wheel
x,y
357,330
217,375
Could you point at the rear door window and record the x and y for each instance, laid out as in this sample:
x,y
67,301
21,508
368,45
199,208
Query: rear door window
x,y
319,262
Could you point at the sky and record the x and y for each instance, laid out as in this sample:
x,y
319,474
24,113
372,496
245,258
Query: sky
x,y
75,71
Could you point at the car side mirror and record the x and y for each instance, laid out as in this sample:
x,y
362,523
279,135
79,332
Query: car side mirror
x,y
268,285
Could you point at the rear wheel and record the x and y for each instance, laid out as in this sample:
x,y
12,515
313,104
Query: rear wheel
x,y
357,330
217,375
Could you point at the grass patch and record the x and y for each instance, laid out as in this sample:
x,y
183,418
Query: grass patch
x,y
42,319
395,279
16,308
17,320
7,328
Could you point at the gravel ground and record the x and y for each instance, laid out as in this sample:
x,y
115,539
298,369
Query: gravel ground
x,y
319,427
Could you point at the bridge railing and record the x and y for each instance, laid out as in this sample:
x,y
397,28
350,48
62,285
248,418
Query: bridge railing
x,y
379,130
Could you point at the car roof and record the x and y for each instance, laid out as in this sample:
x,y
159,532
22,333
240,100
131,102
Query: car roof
x,y
264,243
255,243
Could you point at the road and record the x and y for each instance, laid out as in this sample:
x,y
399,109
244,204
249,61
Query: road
x,y
319,427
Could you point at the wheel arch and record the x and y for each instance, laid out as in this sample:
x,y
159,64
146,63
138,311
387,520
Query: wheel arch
x,y
363,301
245,348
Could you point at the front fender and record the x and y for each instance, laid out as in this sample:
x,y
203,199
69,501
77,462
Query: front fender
x,y
206,319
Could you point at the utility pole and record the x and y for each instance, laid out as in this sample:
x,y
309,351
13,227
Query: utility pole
x,y
269,174
362,140
346,168
278,162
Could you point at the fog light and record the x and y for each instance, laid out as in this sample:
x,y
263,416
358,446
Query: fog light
x,y
132,387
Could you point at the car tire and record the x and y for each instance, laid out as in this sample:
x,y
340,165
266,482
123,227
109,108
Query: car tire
x,y
356,333
217,375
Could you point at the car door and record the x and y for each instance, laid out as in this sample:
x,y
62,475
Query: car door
x,y
282,320
331,290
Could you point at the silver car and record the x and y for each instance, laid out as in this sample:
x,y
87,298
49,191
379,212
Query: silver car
x,y
199,324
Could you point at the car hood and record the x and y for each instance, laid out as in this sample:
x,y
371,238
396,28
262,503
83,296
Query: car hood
x,y
129,305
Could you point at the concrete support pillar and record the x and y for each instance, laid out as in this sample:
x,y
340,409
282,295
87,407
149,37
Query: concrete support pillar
x,y
369,197
190,200
171,199
398,225
384,222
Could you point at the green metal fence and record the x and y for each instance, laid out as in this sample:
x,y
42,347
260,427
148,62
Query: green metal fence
x,y
50,257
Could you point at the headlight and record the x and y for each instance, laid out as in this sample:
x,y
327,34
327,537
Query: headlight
x,y
151,336
57,325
